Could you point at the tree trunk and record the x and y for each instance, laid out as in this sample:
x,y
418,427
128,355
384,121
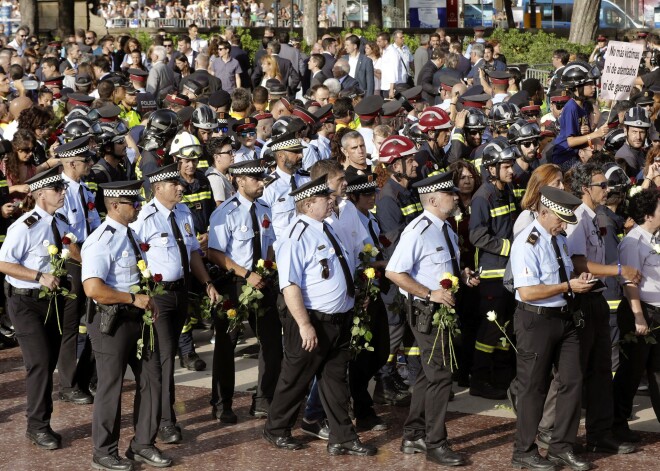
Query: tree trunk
x,y
65,17
29,15
375,13
509,13
584,21
310,22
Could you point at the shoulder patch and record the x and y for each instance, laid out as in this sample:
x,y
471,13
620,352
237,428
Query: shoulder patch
x,y
62,217
425,224
533,236
298,230
32,219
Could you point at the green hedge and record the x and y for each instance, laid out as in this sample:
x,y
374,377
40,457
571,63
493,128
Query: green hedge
x,y
372,32
533,48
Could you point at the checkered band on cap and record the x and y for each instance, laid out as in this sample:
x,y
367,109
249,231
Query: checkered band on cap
x,y
284,145
310,192
163,176
245,170
45,182
448,185
557,208
72,152
361,186
118,193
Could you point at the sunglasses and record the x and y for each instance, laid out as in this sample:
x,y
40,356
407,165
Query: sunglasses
x,y
167,45
223,129
559,104
248,134
135,204
59,187
532,143
602,185
231,152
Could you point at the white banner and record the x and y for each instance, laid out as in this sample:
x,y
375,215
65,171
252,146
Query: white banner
x,y
621,66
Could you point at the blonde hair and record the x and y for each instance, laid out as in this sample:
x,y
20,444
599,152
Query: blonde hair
x,y
270,60
540,177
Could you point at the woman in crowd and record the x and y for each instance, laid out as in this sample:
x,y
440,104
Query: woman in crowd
x,y
372,51
221,155
270,68
545,175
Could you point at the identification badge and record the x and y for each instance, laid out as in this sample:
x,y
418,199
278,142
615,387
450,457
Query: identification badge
x,y
45,243
243,228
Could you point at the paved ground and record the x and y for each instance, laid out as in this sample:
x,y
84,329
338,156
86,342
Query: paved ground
x,y
481,429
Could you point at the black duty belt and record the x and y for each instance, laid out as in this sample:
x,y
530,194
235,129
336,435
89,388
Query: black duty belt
x,y
130,310
178,285
337,319
651,309
558,312
13,291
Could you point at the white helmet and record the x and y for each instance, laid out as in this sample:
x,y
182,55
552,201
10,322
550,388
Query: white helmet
x,y
185,145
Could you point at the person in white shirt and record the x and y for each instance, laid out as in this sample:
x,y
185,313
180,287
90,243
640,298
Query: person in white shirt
x,y
196,43
396,65
19,43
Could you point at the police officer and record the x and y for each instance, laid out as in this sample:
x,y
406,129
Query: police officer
x,y
427,249
242,235
287,177
167,226
491,231
639,311
316,279
80,212
24,259
245,131
546,334
109,270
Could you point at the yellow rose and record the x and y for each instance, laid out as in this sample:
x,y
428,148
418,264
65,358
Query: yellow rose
x,y
274,266
52,249
231,313
370,273
446,276
454,281
260,263
142,265
367,248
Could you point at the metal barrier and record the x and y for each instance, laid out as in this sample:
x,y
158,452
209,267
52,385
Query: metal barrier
x,y
178,23
542,72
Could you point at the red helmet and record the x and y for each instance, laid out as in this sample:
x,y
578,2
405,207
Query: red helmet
x,y
434,118
395,147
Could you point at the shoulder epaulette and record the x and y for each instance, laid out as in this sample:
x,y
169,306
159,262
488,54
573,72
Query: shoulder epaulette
x,y
533,236
109,230
425,221
299,226
32,219
62,217
303,173
261,203
149,210
232,204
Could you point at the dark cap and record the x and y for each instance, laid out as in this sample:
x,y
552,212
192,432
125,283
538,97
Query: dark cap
x,y
644,98
475,101
137,75
223,118
194,86
442,182
370,107
520,98
167,173
559,95
318,187
178,99
447,80
74,148
219,99
259,115
391,108
305,115
413,95
185,113
277,89
83,80
361,183
245,124
352,92
324,113
109,112
123,189
146,102
287,141
561,203
498,77
251,168
48,179
80,99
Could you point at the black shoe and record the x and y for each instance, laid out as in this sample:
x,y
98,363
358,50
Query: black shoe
x,y
76,397
319,429
227,416
284,443
626,435
151,456
410,447
386,393
57,436
569,459
609,444
535,461
111,463
445,456
193,362
169,434
399,383
258,412
486,390
354,447
543,439
44,440
513,400
92,389
371,422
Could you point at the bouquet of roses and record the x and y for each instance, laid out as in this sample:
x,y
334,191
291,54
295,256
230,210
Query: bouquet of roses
x,y
151,286
365,291
57,261
268,270
235,317
445,319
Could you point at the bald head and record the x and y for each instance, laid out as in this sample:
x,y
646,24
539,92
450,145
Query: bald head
x,y
19,104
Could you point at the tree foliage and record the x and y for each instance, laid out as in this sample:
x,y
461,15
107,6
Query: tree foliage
x,y
534,48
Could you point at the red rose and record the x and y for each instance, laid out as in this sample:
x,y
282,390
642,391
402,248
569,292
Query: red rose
x,y
158,277
265,223
66,240
603,231
384,241
160,152
144,246
91,206
227,304
446,284
429,164
268,264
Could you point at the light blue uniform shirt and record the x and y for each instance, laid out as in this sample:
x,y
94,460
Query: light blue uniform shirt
x,y
423,253
584,237
232,233
27,244
75,213
276,196
153,227
299,254
322,144
349,228
311,155
365,220
244,154
536,264
107,254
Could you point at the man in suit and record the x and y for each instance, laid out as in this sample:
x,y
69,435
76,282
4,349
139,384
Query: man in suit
x,y
269,35
315,64
361,67
291,53
426,74
161,79
329,46
72,57
340,72
201,74
186,49
464,65
236,52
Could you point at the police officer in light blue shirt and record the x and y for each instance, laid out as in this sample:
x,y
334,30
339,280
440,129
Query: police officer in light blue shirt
x,y
109,269
167,226
287,150
241,235
25,261
316,279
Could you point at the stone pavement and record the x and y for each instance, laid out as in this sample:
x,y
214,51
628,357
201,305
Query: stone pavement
x,y
480,428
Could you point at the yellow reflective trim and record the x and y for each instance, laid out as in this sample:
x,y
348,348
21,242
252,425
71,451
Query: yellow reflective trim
x,y
2,238
195,197
93,186
506,248
202,164
503,210
492,273
614,305
391,358
482,347
477,163
82,329
3,184
411,351
500,347
458,137
411,209
518,192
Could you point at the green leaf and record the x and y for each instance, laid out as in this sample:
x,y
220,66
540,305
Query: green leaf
x,y
650,340
368,336
363,331
369,349
134,289
356,320
355,331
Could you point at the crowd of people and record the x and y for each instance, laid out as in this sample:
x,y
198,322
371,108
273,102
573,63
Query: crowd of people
x,y
357,207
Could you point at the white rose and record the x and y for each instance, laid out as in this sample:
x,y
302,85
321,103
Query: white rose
x,y
634,190
656,248
66,254
374,252
146,273
72,237
491,316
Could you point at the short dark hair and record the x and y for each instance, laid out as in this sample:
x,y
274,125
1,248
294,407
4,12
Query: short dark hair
x,y
581,176
275,46
318,59
283,37
353,39
563,55
260,94
325,167
102,62
327,42
185,38
342,106
643,204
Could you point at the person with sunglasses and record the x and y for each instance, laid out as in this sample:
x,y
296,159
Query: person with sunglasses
x,y
19,44
558,99
526,137
245,131
470,124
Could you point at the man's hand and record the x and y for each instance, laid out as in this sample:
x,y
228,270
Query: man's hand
x,y
256,280
203,242
49,281
443,296
213,294
470,279
8,210
641,327
631,274
308,336
142,301
461,116
581,284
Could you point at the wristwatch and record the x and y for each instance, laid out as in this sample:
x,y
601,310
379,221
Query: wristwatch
x,y
247,274
38,277
427,298
132,298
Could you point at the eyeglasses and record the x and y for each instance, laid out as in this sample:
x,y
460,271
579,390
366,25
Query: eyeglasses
x,y
602,185
22,35
89,37
248,134
223,129
135,204
59,187
532,143
231,152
